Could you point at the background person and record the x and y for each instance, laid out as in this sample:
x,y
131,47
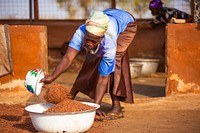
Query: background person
x,y
165,14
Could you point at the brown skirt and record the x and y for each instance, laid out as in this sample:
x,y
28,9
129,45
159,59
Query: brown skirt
x,y
120,80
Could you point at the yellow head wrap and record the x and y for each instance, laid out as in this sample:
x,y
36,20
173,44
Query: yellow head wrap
x,y
97,24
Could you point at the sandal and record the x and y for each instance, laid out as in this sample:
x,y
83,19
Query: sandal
x,y
110,116
114,116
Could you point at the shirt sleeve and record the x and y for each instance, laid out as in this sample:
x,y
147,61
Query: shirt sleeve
x,y
107,64
77,39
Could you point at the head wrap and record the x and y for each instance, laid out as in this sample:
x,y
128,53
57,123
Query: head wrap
x,y
156,4
97,23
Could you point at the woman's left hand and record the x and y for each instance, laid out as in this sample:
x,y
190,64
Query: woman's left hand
x,y
100,115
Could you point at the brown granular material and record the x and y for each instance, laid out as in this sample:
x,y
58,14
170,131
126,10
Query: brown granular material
x,y
69,105
56,93
59,95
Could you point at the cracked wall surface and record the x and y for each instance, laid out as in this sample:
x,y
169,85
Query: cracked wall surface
x,y
183,58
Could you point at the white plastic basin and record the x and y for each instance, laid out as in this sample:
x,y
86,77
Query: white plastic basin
x,y
149,66
73,122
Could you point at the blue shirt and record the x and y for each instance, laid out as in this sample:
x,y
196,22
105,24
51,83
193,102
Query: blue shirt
x,y
118,21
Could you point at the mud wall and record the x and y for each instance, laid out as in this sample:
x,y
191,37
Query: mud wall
x,y
28,50
183,58
59,33
149,42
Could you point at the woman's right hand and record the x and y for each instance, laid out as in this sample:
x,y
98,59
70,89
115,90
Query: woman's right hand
x,y
47,79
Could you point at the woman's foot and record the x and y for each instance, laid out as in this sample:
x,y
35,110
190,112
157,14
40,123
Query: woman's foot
x,y
114,116
115,113
116,109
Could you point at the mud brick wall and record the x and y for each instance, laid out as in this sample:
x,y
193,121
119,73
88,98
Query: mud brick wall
x,y
28,49
183,58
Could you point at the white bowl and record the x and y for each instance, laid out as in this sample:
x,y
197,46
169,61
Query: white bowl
x,y
149,66
32,80
73,122
135,69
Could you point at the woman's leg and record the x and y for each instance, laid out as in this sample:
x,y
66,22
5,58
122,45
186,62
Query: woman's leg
x,y
120,82
116,106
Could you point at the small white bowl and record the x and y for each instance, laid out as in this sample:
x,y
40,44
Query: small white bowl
x,y
32,81
72,122
135,69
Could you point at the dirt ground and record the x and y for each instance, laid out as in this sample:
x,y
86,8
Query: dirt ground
x,y
152,111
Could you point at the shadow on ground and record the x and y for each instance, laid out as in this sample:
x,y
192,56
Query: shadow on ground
x,y
149,90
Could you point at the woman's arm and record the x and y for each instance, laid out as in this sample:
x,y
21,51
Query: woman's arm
x,y
62,66
101,88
